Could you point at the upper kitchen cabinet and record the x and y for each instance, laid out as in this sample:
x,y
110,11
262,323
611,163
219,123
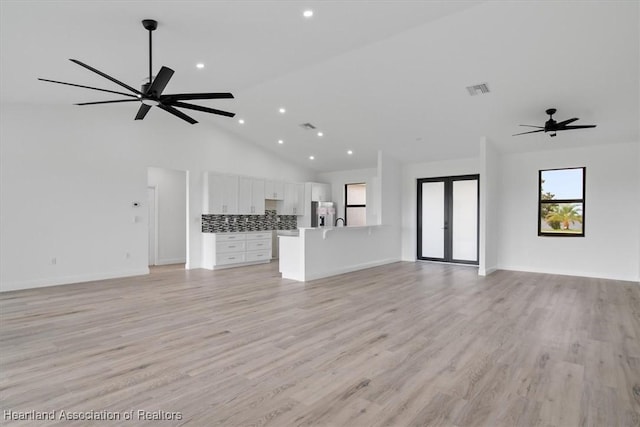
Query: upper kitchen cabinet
x,y
251,196
222,194
274,190
293,203
320,192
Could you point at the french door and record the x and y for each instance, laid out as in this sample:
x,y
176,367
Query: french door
x,y
448,227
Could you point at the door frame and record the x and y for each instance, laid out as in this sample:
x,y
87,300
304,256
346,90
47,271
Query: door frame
x,y
448,215
154,188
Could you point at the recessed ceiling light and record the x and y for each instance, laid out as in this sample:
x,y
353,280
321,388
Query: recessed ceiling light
x,y
282,110
311,157
200,65
307,13
349,152
320,133
280,141
241,121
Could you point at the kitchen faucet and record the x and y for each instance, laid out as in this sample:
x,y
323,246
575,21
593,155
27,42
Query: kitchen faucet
x,y
340,219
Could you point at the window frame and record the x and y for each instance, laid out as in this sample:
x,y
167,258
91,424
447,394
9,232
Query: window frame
x,y
560,201
346,200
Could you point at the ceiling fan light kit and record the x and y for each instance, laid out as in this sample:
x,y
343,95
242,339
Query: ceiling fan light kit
x,y
552,127
150,94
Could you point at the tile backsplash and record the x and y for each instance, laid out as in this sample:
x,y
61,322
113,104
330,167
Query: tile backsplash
x,y
228,223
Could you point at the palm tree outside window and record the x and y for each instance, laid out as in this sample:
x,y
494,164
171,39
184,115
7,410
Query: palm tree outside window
x,y
561,202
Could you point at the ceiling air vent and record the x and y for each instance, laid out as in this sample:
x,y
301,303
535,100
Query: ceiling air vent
x,y
307,126
480,89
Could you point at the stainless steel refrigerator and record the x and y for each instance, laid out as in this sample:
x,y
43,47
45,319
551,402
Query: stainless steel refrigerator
x,y
323,214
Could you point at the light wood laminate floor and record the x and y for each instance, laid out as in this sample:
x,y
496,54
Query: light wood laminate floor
x,y
398,345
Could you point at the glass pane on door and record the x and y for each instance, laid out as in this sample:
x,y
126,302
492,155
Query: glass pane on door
x,y
465,220
432,220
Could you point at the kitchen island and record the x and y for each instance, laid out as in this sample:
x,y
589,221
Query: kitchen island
x,y
327,251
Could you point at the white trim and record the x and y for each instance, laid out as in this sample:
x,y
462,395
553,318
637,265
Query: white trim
x,y
483,271
67,280
167,261
155,223
240,264
591,275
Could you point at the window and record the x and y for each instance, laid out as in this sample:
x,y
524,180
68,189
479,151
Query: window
x,y
355,204
561,202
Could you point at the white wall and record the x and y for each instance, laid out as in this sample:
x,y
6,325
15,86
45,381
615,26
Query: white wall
x,y
390,200
171,199
612,209
410,174
489,207
338,181
69,176
337,251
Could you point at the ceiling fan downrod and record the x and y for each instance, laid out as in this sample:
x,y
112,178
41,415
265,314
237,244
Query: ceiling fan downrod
x,y
150,25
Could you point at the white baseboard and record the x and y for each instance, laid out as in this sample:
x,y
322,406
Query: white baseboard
x,y
349,269
67,280
168,261
487,271
571,273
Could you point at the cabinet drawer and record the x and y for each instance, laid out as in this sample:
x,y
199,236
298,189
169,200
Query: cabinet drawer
x,y
231,246
258,255
258,236
256,245
229,237
222,259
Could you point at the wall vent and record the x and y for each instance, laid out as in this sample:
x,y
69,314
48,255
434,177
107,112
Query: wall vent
x,y
307,126
480,89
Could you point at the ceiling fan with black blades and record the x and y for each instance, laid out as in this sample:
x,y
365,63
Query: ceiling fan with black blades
x,y
151,92
551,126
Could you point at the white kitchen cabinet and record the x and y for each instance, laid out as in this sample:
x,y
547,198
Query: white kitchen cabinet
x,y
251,196
224,250
274,190
222,194
320,192
293,203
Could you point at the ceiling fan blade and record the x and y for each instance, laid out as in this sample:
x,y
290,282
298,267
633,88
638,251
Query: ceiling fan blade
x,y
107,102
106,76
142,111
160,82
200,108
576,127
189,96
533,131
88,87
177,113
566,122
532,126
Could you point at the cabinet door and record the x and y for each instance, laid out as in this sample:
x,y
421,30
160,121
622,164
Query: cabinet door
x,y
289,201
293,199
215,194
274,190
251,196
298,208
257,196
279,190
223,194
320,192
230,194
245,202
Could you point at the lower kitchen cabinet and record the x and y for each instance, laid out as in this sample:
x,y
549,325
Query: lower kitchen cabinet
x,y
223,250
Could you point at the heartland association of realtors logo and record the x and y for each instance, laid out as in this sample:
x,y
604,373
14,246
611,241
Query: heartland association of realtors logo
x,y
63,415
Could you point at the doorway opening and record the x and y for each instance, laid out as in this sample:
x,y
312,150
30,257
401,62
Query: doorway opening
x,y
448,219
167,192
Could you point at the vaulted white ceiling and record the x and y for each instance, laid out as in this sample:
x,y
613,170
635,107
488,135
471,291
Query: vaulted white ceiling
x,y
370,75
